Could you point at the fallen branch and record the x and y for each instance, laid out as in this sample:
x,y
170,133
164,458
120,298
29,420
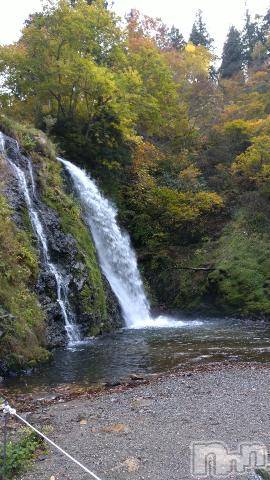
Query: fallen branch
x,y
197,269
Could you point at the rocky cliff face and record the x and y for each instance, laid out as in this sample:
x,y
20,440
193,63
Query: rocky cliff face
x,y
70,246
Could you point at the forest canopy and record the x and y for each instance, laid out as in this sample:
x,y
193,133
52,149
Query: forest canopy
x,y
181,145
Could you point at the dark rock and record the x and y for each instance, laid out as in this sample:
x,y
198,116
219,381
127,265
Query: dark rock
x,y
112,384
135,376
41,458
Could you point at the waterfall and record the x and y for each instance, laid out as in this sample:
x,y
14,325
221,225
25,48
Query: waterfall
x,y
61,283
116,256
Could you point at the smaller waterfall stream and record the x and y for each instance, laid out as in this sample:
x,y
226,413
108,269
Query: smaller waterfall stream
x,y
117,258
61,283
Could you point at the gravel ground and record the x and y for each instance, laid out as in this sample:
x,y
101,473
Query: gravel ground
x,y
146,432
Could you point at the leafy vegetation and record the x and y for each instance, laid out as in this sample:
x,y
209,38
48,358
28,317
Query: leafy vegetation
x,y
22,322
181,147
20,454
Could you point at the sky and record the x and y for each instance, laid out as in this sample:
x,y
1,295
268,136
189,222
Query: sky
x,y
219,14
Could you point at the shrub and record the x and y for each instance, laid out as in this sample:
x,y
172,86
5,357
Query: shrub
x,y
19,454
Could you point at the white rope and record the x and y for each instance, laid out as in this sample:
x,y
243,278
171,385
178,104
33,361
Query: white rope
x,y
7,409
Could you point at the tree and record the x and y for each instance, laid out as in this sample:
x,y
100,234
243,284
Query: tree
x,y
253,166
143,27
261,49
176,39
250,37
89,2
232,56
199,34
69,67
266,24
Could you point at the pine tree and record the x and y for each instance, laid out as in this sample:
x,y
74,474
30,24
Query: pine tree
x,y
266,23
250,37
176,38
199,34
233,54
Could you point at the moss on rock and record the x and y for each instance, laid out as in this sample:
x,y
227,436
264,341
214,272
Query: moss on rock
x,y
22,321
93,296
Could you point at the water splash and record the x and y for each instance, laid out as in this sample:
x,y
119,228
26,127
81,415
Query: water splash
x,y
117,258
2,143
61,283
166,322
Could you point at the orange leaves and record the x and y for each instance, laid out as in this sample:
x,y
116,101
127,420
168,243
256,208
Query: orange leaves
x,y
146,156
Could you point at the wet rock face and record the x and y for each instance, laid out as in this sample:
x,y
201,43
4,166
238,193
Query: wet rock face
x,y
63,252
63,248
115,319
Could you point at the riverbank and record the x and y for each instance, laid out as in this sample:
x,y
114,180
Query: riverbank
x,y
145,432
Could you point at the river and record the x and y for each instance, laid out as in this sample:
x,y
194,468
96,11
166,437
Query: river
x,y
114,357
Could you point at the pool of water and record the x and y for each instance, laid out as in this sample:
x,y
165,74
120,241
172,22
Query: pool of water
x,y
154,350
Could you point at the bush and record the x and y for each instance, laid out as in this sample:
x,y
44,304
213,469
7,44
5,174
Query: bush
x,y
20,454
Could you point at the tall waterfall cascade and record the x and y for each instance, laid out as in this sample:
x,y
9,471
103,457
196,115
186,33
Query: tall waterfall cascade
x,y
116,256
28,187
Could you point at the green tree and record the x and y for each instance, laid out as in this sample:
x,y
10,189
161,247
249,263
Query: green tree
x,y
199,34
176,39
232,56
89,2
253,166
266,25
250,37
70,65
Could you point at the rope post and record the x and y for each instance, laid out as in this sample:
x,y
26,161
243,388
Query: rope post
x,y
12,411
6,418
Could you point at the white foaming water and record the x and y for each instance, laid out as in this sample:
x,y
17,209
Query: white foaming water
x,y
62,291
117,258
33,184
166,322
2,143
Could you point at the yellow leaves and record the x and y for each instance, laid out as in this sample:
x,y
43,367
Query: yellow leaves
x,y
208,201
254,163
146,156
111,165
190,175
190,63
190,48
179,207
239,124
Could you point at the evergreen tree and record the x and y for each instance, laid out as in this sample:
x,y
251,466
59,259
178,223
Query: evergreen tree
x,y
266,23
199,34
233,55
176,38
250,37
